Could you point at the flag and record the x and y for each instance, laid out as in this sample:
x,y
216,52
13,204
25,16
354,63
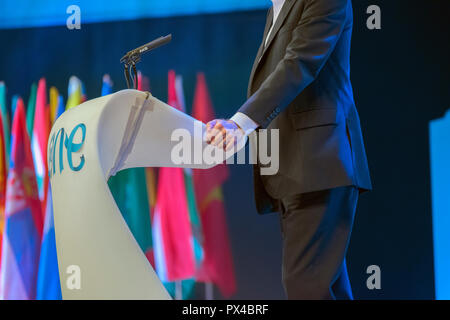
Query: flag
x,y
217,266
61,108
194,217
31,109
143,82
129,189
150,179
76,93
172,233
14,103
3,177
23,218
150,175
171,229
48,282
107,85
5,119
54,102
41,131
187,285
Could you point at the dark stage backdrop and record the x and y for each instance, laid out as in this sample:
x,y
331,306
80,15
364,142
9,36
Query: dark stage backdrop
x,y
401,78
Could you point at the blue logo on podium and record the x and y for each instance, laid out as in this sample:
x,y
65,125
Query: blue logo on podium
x,y
67,143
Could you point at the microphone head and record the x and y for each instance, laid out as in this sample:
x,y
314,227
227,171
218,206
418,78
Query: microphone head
x,y
134,55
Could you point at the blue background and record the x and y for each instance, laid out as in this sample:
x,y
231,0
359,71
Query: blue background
x,y
32,13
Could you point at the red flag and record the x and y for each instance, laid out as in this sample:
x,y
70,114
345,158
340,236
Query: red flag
x,y
3,176
23,218
171,227
143,82
41,130
217,265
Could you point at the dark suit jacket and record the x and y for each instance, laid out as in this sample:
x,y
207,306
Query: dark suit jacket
x,y
300,84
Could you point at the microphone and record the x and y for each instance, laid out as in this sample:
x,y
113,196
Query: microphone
x,y
134,55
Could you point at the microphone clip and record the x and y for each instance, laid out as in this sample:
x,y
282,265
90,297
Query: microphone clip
x,y
134,56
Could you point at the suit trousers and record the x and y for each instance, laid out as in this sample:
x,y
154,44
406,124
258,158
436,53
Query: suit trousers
x,y
316,229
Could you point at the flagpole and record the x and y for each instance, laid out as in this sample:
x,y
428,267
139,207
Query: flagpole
x,y
178,290
209,291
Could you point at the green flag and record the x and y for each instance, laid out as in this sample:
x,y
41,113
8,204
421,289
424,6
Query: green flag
x,y
31,107
129,190
197,240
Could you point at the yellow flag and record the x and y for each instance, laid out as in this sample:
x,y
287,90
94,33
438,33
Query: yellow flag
x,y
53,103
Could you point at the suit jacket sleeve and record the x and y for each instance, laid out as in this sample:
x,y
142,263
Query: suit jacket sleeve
x,y
313,40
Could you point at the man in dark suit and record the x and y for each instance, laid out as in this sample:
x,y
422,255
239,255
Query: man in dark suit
x,y
300,85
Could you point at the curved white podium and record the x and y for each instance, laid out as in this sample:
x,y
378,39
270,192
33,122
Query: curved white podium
x,y
87,145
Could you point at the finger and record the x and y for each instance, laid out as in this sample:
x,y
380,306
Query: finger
x,y
219,136
230,144
212,135
209,126
229,137
221,143
208,136
218,133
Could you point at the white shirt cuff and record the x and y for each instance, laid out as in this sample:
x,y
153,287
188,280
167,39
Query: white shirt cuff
x,y
244,122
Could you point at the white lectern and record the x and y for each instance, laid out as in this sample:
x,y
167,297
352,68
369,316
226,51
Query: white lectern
x,y
87,145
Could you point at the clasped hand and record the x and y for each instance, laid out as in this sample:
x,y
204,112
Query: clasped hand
x,y
223,133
